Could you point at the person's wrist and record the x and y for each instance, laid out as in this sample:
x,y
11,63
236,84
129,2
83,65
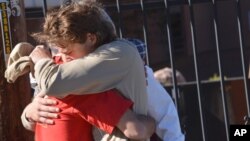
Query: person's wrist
x,y
28,118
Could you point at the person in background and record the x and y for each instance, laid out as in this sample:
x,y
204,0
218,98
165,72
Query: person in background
x,y
160,105
165,76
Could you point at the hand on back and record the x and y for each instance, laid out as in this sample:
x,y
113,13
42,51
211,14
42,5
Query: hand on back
x,y
40,52
42,110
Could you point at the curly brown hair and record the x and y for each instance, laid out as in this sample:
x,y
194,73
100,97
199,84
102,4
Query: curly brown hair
x,y
72,22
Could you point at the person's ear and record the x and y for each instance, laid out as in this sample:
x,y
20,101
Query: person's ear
x,y
91,39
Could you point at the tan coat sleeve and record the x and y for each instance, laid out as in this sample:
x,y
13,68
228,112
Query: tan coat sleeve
x,y
99,71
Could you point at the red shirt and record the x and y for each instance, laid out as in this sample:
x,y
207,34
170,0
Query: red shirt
x,y
80,112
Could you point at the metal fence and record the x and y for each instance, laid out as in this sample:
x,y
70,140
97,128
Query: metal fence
x,y
208,41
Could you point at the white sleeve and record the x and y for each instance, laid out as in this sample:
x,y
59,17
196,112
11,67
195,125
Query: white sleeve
x,y
163,110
